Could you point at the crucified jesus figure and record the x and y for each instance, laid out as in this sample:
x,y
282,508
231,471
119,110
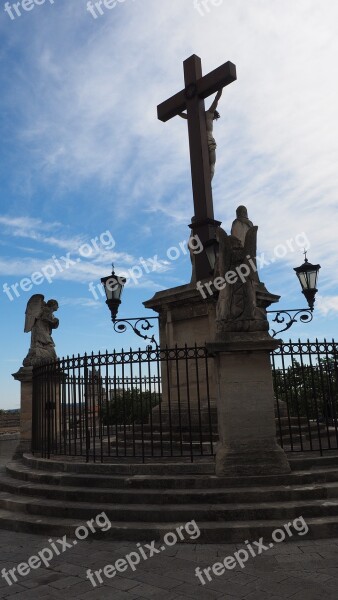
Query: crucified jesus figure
x,y
211,115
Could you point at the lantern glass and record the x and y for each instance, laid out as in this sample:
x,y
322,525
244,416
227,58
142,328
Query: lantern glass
x,y
308,275
303,280
113,287
312,279
211,248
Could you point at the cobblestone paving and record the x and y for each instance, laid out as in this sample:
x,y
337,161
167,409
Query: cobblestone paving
x,y
301,570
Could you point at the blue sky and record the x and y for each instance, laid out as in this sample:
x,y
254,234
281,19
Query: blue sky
x,y
83,155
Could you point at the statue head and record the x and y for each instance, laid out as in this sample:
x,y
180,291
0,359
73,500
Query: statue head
x,y
216,115
242,212
53,305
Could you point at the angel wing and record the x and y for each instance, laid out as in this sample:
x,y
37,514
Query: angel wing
x,y
250,246
34,308
224,255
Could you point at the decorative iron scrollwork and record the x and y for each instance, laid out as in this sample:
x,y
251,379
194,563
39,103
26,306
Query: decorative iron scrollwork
x,y
305,315
139,326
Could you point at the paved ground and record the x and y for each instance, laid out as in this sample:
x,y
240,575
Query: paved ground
x,y
301,570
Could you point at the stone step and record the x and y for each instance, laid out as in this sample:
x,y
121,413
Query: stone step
x,y
304,428
119,467
293,421
211,533
158,449
136,495
153,513
144,501
158,443
306,468
296,446
284,422
166,436
316,477
310,460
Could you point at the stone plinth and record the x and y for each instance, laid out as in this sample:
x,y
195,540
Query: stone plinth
x,y
186,318
25,376
48,409
245,407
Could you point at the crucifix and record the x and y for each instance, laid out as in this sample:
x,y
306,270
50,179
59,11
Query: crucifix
x,y
191,99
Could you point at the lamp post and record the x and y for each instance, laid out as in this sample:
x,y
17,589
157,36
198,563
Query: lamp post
x,y
308,277
113,287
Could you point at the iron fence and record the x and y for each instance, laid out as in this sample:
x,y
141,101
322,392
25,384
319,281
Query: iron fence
x,y
305,378
142,404
158,403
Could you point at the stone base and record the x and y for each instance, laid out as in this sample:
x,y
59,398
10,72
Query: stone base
x,y
186,318
25,376
281,409
24,447
246,459
182,418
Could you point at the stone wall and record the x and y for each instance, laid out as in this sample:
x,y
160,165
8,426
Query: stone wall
x,y
9,422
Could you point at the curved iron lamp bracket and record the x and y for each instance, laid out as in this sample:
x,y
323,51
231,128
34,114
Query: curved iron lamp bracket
x,y
139,326
289,317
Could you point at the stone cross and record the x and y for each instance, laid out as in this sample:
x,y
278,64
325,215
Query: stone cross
x,y
191,99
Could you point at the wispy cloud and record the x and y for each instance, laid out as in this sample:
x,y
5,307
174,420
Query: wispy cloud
x,y
327,305
83,302
277,147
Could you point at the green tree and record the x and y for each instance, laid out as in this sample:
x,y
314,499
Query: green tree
x,y
130,406
309,390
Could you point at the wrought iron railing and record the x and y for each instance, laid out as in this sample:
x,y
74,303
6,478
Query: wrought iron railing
x,y
306,389
142,404
162,403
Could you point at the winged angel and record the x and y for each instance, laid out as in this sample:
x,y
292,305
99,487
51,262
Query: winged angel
x,y
40,321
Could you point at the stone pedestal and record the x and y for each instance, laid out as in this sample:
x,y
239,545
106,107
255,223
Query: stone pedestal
x,y
47,410
245,407
25,376
186,319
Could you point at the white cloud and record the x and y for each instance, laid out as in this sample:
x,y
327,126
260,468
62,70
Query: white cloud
x,y
83,302
96,117
327,305
26,226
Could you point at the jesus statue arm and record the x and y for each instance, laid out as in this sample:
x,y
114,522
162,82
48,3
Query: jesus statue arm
x,y
215,102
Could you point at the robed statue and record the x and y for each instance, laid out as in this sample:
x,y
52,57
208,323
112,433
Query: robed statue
x,y
40,322
238,309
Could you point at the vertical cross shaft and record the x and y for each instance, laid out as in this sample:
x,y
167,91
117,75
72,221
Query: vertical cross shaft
x,y
204,224
199,153
197,88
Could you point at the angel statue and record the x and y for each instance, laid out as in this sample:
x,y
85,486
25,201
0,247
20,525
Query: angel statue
x,y
237,308
40,321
